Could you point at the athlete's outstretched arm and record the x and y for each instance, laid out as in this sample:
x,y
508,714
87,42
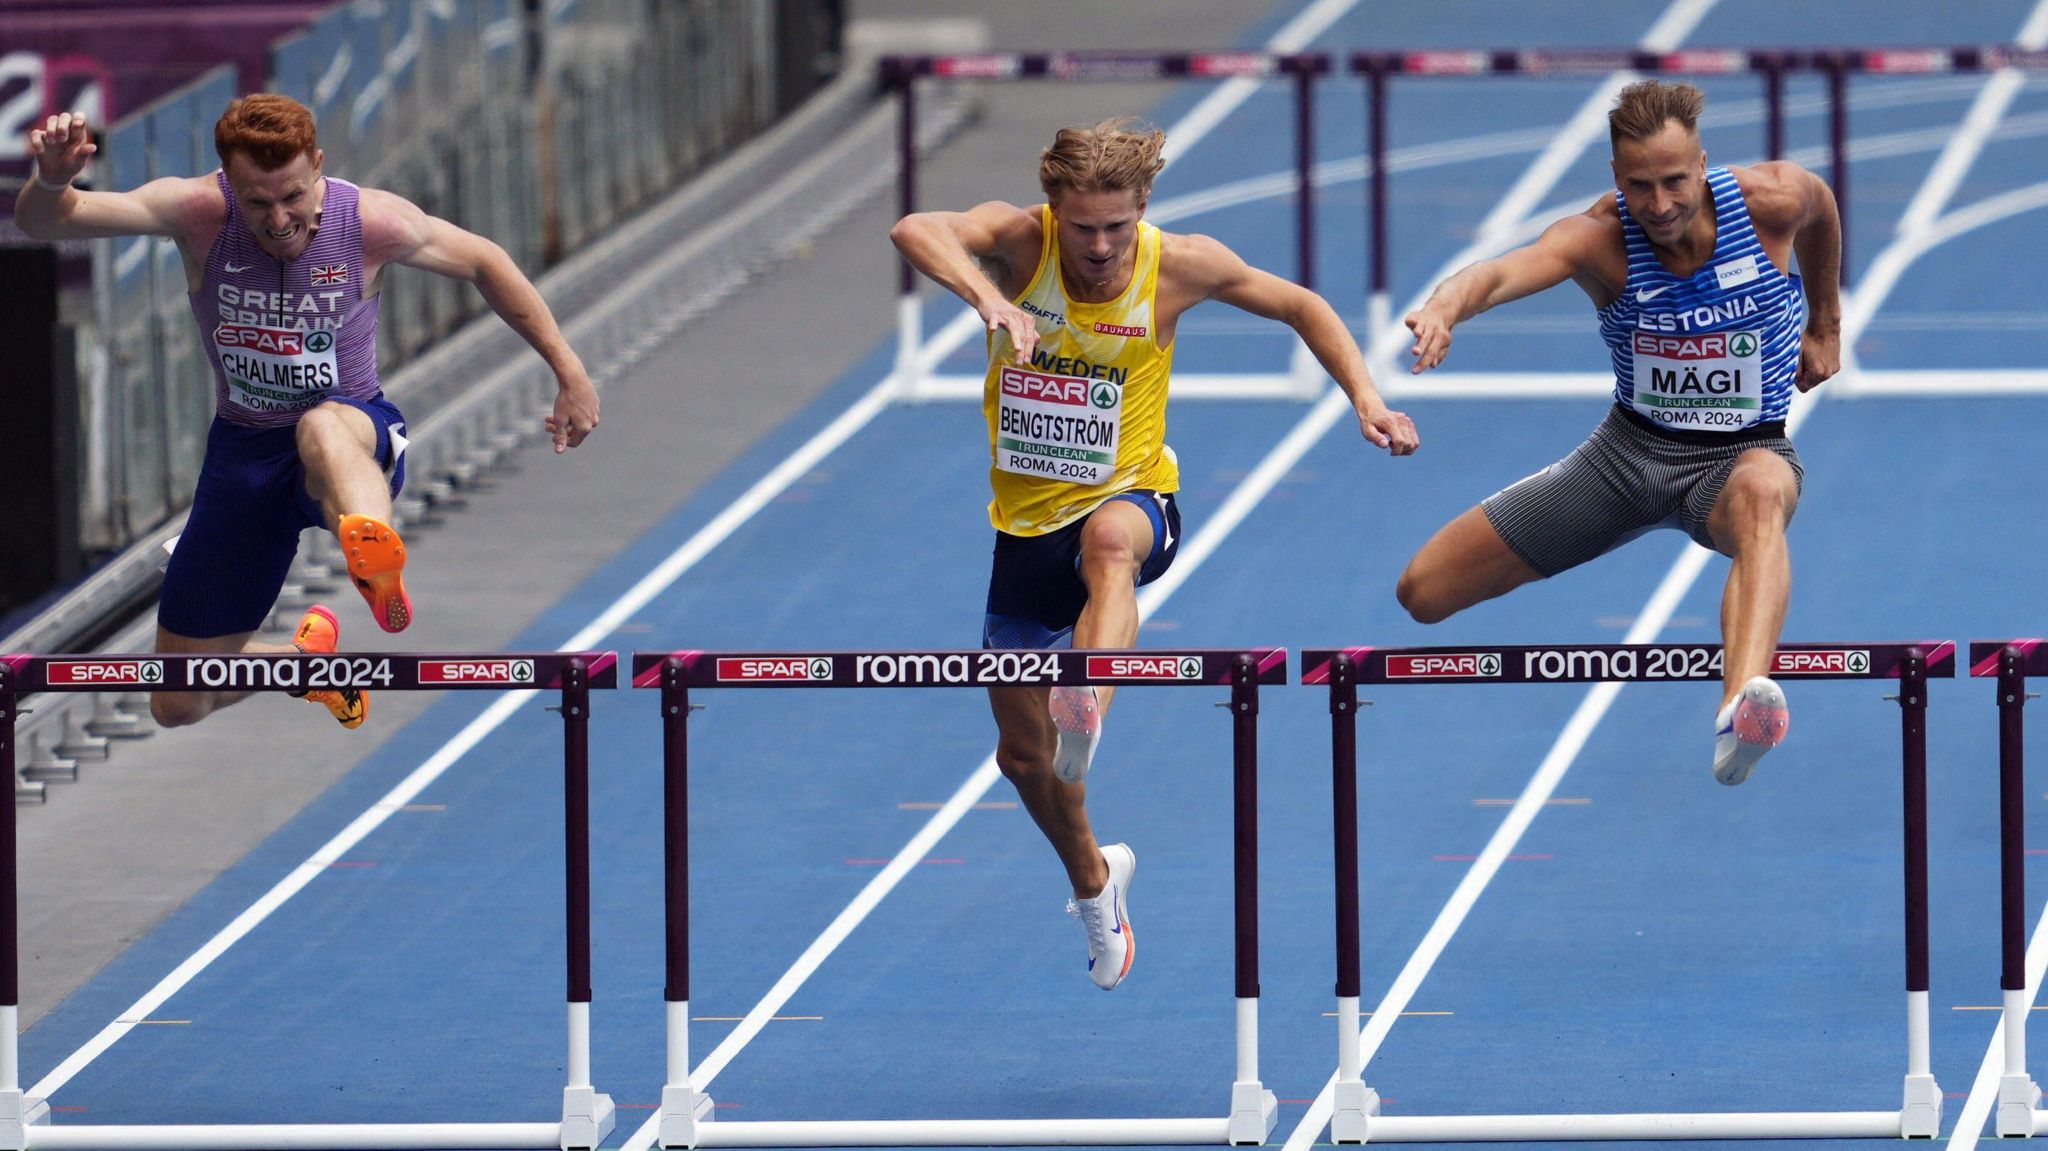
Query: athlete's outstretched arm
x,y
49,208
1218,273
953,247
396,231
1818,245
1555,256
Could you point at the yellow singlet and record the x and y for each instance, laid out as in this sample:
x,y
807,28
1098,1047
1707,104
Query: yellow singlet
x,y
1087,420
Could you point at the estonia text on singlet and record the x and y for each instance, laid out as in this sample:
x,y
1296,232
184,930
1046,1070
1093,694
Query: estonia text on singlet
x,y
1087,419
284,335
1714,352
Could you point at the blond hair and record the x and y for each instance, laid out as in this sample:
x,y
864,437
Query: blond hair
x,y
1111,156
1644,107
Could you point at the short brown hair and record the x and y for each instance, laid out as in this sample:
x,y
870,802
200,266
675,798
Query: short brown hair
x,y
268,128
1109,157
1644,107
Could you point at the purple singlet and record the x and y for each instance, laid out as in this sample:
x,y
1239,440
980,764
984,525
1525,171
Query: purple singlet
x,y
285,335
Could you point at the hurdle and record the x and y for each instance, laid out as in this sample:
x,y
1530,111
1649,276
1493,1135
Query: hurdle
x,y
1355,1116
586,1116
2011,662
686,1115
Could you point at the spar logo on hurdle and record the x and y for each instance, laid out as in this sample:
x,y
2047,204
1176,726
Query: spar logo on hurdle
x,y
1821,663
1145,668
76,673
477,672
1444,665
775,669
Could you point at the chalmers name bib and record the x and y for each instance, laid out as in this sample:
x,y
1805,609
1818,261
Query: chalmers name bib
x,y
276,369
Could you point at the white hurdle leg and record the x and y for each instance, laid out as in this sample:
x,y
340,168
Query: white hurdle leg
x,y
682,1106
1354,1104
2018,1096
909,336
18,1112
587,1117
1920,1118
1253,1110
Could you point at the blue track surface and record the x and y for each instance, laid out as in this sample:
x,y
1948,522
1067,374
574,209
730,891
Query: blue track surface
x,y
1658,943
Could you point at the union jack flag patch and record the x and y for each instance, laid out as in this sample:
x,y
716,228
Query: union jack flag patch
x,y
330,274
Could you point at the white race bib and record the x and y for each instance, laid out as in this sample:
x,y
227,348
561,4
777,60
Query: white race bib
x,y
276,369
1712,382
1058,427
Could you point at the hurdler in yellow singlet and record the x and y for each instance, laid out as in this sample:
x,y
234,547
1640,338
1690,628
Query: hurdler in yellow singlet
x,y
1087,420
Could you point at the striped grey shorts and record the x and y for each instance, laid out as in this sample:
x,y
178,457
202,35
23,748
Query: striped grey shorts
x,y
1625,480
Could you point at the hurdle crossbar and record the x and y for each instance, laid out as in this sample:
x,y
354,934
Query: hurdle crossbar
x,y
586,1116
1355,1114
2011,661
686,1113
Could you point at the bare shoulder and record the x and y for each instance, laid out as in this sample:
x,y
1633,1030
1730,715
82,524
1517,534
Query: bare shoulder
x,y
1196,261
392,224
1780,194
1598,227
191,205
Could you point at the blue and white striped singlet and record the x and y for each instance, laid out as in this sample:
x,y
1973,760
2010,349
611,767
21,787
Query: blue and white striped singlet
x,y
1714,352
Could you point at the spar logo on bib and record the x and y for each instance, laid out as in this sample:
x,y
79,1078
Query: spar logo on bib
x,y
1104,396
1047,389
273,341
1709,346
319,341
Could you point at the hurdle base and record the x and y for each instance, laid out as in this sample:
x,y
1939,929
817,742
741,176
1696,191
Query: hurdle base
x,y
1636,1127
1920,1118
19,1112
587,1117
2018,1097
1254,1112
299,1136
962,1132
683,1109
1351,1111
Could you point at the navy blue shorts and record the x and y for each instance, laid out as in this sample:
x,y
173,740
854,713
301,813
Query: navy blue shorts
x,y
1035,591
243,531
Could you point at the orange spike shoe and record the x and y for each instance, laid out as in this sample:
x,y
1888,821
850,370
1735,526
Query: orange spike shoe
x,y
376,562
320,633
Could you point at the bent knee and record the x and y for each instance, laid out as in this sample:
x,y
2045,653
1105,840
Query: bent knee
x,y
178,708
1022,768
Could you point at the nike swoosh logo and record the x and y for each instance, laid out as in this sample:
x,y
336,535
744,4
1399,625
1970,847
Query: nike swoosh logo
x,y
1643,297
232,269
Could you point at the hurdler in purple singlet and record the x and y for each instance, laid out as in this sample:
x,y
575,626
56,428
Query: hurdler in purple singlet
x,y
286,335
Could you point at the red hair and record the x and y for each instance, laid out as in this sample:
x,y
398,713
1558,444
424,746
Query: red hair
x,y
268,128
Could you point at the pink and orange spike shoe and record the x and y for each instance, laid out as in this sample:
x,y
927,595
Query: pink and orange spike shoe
x,y
320,633
376,562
